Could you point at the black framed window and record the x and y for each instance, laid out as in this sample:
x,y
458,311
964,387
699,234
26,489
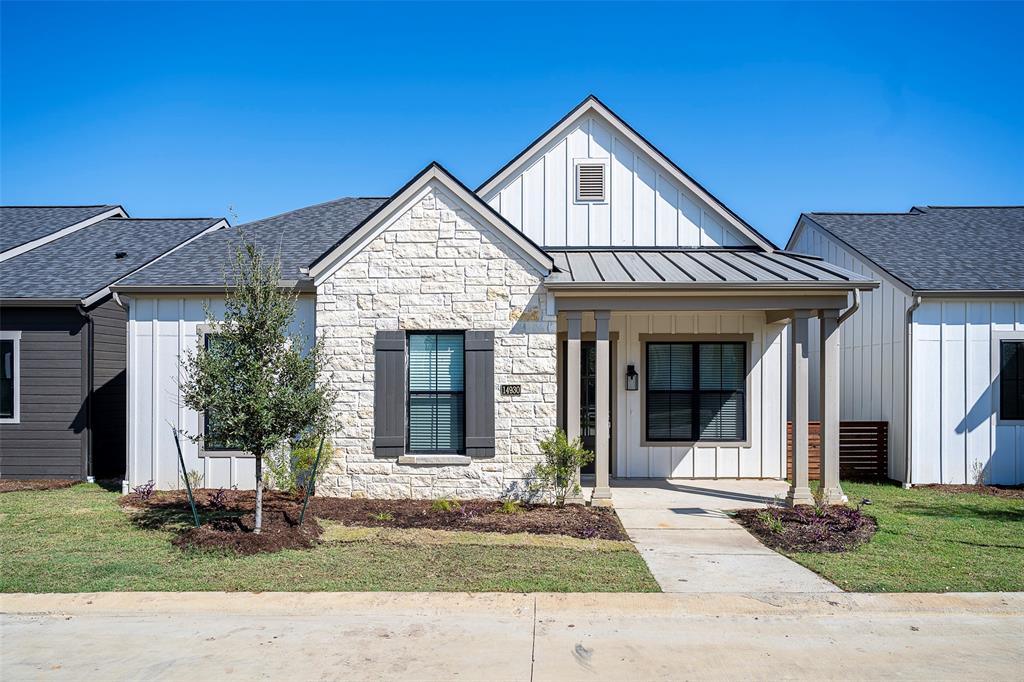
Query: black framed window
x,y
8,373
436,410
1011,380
696,391
213,440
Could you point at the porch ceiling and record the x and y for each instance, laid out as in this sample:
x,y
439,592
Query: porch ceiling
x,y
697,269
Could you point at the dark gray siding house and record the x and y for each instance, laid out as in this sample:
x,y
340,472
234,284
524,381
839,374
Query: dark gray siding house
x,y
63,334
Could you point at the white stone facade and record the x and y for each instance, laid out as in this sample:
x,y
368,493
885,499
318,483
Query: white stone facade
x,y
437,266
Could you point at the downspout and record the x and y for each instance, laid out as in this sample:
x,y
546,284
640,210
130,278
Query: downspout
x,y
851,310
909,379
88,391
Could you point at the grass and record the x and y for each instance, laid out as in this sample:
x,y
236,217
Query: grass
x,y
930,541
79,540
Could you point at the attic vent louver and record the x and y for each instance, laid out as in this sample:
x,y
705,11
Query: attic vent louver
x,y
590,181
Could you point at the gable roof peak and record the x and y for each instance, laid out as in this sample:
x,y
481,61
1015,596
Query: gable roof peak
x,y
592,104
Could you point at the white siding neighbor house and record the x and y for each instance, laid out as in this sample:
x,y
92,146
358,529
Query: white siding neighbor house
x,y
951,309
590,284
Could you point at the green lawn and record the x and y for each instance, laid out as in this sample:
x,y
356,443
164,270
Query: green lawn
x,y
79,540
930,541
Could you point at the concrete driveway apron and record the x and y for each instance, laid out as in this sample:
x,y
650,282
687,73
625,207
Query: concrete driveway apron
x,y
690,543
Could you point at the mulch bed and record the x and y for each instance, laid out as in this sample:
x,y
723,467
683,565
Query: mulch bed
x,y
10,486
840,529
227,518
1007,491
280,530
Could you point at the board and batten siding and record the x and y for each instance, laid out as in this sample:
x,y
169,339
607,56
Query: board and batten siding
x,y
763,456
873,359
644,206
50,440
161,329
957,435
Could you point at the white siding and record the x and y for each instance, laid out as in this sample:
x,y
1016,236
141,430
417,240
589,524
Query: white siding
x,y
160,330
762,458
873,355
645,207
955,431
957,434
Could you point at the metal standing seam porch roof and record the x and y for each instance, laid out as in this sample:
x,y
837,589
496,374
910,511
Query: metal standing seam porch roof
x,y
697,269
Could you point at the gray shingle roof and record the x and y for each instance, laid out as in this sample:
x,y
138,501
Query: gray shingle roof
x,y
23,224
939,248
695,268
299,237
84,262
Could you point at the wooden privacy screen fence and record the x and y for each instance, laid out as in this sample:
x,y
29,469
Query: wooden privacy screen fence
x,y
863,450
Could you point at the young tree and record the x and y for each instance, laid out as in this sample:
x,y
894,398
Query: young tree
x,y
562,459
259,387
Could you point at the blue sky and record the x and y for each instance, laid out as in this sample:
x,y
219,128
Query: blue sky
x,y
187,109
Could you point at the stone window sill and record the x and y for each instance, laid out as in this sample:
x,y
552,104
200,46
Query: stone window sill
x,y
437,460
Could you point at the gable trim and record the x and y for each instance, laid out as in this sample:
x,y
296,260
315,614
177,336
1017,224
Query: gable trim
x,y
801,226
328,262
116,212
592,105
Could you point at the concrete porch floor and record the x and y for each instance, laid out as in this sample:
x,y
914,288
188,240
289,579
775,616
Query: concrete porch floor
x,y
683,531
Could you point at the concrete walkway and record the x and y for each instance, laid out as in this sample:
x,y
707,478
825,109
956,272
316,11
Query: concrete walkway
x,y
206,636
690,544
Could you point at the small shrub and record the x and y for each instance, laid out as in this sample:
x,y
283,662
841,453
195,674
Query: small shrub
x,y
290,466
562,459
383,516
218,501
510,507
820,507
978,473
193,478
145,491
770,518
445,505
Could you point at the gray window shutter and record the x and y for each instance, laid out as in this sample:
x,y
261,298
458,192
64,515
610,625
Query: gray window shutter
x,y
389,387
480,393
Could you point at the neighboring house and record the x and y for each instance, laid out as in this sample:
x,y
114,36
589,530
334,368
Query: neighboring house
x,y
590,283
950,307
62,334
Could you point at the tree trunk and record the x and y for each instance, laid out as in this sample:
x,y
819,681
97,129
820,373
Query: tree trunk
x,y
259,494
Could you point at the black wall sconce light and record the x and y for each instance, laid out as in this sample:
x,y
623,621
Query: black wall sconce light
x,y
632,378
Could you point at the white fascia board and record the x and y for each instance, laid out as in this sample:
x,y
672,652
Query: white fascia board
x,y
593,106
412,193
807,222
116,212
99,295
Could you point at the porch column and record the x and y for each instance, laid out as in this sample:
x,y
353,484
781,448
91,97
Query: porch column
x,y
829,406
602,489
799,490
574,323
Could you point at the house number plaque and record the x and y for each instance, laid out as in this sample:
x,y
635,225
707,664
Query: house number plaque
x,y
511,389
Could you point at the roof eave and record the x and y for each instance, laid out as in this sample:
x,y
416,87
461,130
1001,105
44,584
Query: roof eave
x,y
698,287
297,285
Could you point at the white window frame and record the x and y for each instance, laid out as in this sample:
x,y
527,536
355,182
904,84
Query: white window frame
x,y
997,339
14,336
601,161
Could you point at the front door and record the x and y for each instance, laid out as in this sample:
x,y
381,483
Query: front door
x,y
588,395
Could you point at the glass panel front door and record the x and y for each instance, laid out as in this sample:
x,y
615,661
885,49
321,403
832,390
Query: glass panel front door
x,y
588,395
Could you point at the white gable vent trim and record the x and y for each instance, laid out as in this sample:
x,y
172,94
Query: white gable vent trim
x,y
591,180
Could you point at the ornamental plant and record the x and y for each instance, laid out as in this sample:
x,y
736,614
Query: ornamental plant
x,y
562,460
258,385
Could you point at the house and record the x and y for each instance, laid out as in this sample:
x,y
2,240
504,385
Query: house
x,y
63,334
589,283
951,309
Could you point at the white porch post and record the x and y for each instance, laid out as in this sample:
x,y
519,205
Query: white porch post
x,y
602,384
829,406
799,490
574,323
